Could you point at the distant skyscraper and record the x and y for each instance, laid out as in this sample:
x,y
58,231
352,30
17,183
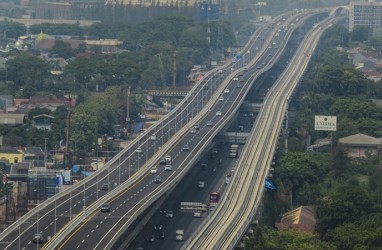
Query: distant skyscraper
x,y
365,13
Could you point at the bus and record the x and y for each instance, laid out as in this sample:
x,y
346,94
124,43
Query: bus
x,y
214,197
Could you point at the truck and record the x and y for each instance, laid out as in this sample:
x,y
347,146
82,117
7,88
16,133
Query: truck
x,y
179,233
233,151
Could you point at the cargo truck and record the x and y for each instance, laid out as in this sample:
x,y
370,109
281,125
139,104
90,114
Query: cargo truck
x,y
233,151
179,233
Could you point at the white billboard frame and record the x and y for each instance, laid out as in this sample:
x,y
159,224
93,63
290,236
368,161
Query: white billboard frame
x,y
325,123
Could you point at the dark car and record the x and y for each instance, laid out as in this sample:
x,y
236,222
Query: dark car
x,y
157,179
38,238
162,161
105,187
105,207
150,238
160,236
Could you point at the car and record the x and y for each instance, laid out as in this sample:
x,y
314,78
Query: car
x,y
153,137
256,48
220,71
138,150
197,214
105,207
235,79
150,238
203,166
185,147
162,161
245,69
153,170
168,168
162,211
38,238
169,214
214,150
160,236
226,91
193,131
201,184
105,187
196,127
214,169
221,98
209,123
157,179
158,227
218,113
168,158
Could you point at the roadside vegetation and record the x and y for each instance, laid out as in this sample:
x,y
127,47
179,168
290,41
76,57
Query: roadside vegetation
x,y
346,192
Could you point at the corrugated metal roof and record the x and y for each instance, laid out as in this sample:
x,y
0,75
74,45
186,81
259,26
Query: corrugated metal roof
x,y
11,119
360,140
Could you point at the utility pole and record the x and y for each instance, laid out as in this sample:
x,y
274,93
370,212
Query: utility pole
x,y
174,71
45,155
68,155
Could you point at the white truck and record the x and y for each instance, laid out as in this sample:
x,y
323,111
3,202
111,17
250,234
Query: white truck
x,y
179,234
233,151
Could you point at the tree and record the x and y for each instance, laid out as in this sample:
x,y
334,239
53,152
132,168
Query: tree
x,y
346,205
62,49
300,168
26,69
361,33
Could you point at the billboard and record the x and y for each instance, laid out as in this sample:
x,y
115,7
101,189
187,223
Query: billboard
x,y
67,177
325,123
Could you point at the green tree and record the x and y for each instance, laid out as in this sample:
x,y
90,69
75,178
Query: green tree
x,y
345,205
26,70
361,33
62,49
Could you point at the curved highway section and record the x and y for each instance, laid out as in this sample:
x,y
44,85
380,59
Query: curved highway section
x,y
224,228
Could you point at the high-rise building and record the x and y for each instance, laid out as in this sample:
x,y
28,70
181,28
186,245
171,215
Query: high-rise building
x,y
365,13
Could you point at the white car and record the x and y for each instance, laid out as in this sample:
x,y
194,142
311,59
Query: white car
x,y
219,113
221,98
169,214
209,123
226,91
168,168
153,170
153,137
139,150
201,184
193,131
235,79
167,158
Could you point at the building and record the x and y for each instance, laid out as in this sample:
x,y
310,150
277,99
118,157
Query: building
x,y
11,119
301,219
365,13
359,145
11,155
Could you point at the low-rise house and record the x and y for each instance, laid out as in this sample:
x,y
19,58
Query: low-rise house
x,y
6,101
42,121
301,219
360,145
11,119
11,155
106,45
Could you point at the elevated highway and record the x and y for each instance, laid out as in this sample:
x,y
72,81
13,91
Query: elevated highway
x,y
224,228
72,217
